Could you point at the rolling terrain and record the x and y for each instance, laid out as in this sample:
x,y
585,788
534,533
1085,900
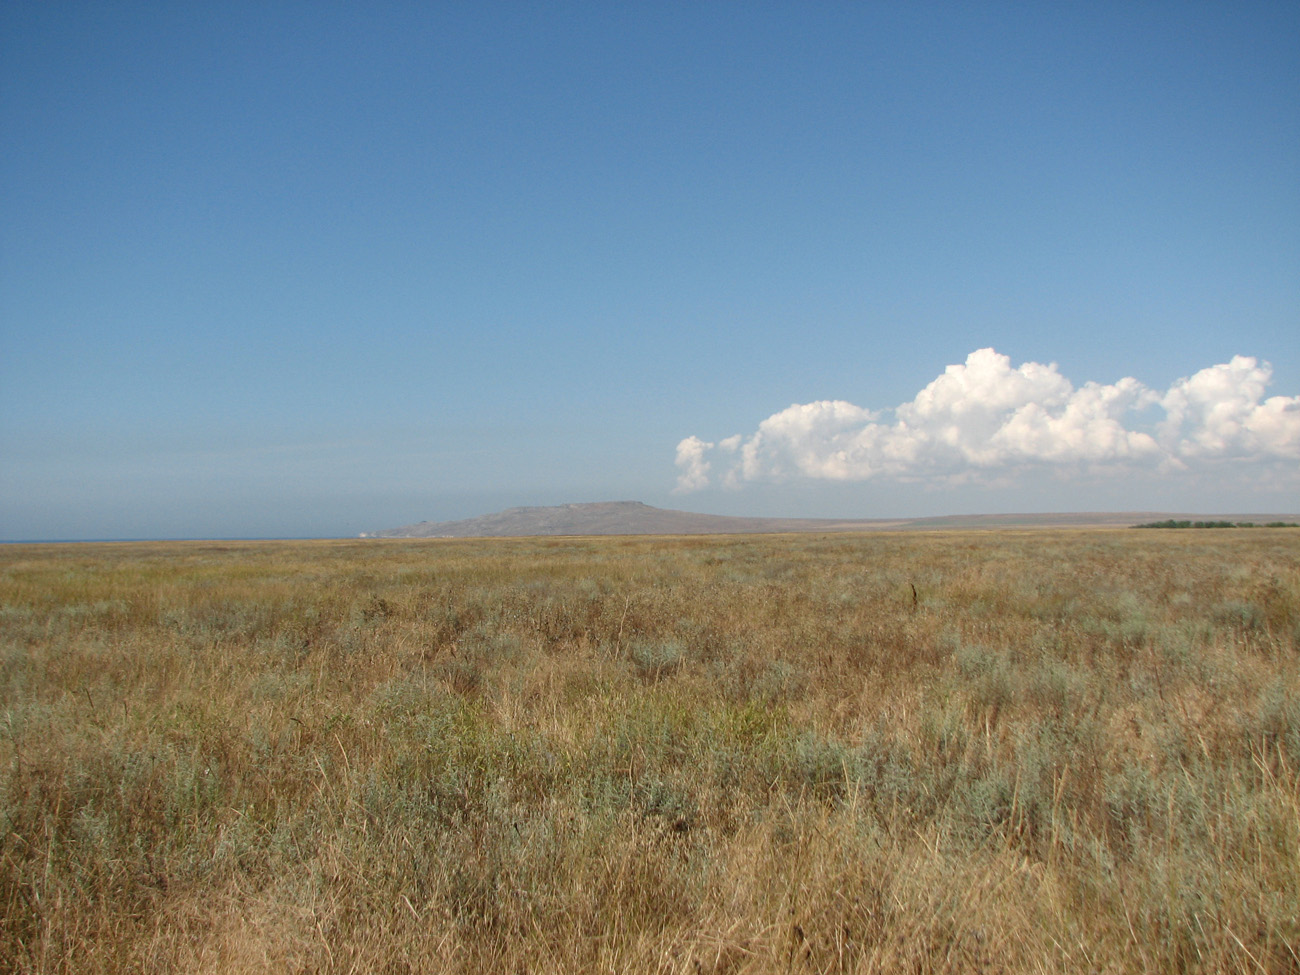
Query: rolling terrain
x,y
635,518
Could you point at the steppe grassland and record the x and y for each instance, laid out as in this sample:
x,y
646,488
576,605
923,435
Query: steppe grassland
x,y
1069,751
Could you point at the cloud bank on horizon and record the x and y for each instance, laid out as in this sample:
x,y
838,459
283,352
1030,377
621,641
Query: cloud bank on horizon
x,y
984,421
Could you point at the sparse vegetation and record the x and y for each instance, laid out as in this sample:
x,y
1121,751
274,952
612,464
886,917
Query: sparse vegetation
x,y
1175,523
1023,752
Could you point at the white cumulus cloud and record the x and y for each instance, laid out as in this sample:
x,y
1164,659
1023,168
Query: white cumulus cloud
x,y
692,465
1221,412
983,418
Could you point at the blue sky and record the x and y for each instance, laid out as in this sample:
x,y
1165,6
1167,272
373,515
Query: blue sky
x,y
312,269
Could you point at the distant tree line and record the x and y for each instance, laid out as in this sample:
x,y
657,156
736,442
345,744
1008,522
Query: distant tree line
x,y
1172,523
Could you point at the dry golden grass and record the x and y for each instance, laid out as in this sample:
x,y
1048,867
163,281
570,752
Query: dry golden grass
x,y
1071,751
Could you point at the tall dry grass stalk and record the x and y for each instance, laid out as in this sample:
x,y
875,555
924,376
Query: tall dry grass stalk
x,y
1018,752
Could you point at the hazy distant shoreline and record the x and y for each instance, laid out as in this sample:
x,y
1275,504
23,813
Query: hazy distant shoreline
x,y
635,518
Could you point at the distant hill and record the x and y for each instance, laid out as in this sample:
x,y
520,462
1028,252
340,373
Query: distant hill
x,y
635,518
613,518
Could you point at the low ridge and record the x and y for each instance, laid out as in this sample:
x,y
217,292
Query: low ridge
x,y
610,518
636,518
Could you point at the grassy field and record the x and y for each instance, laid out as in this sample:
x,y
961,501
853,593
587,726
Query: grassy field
x,y
1037,751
